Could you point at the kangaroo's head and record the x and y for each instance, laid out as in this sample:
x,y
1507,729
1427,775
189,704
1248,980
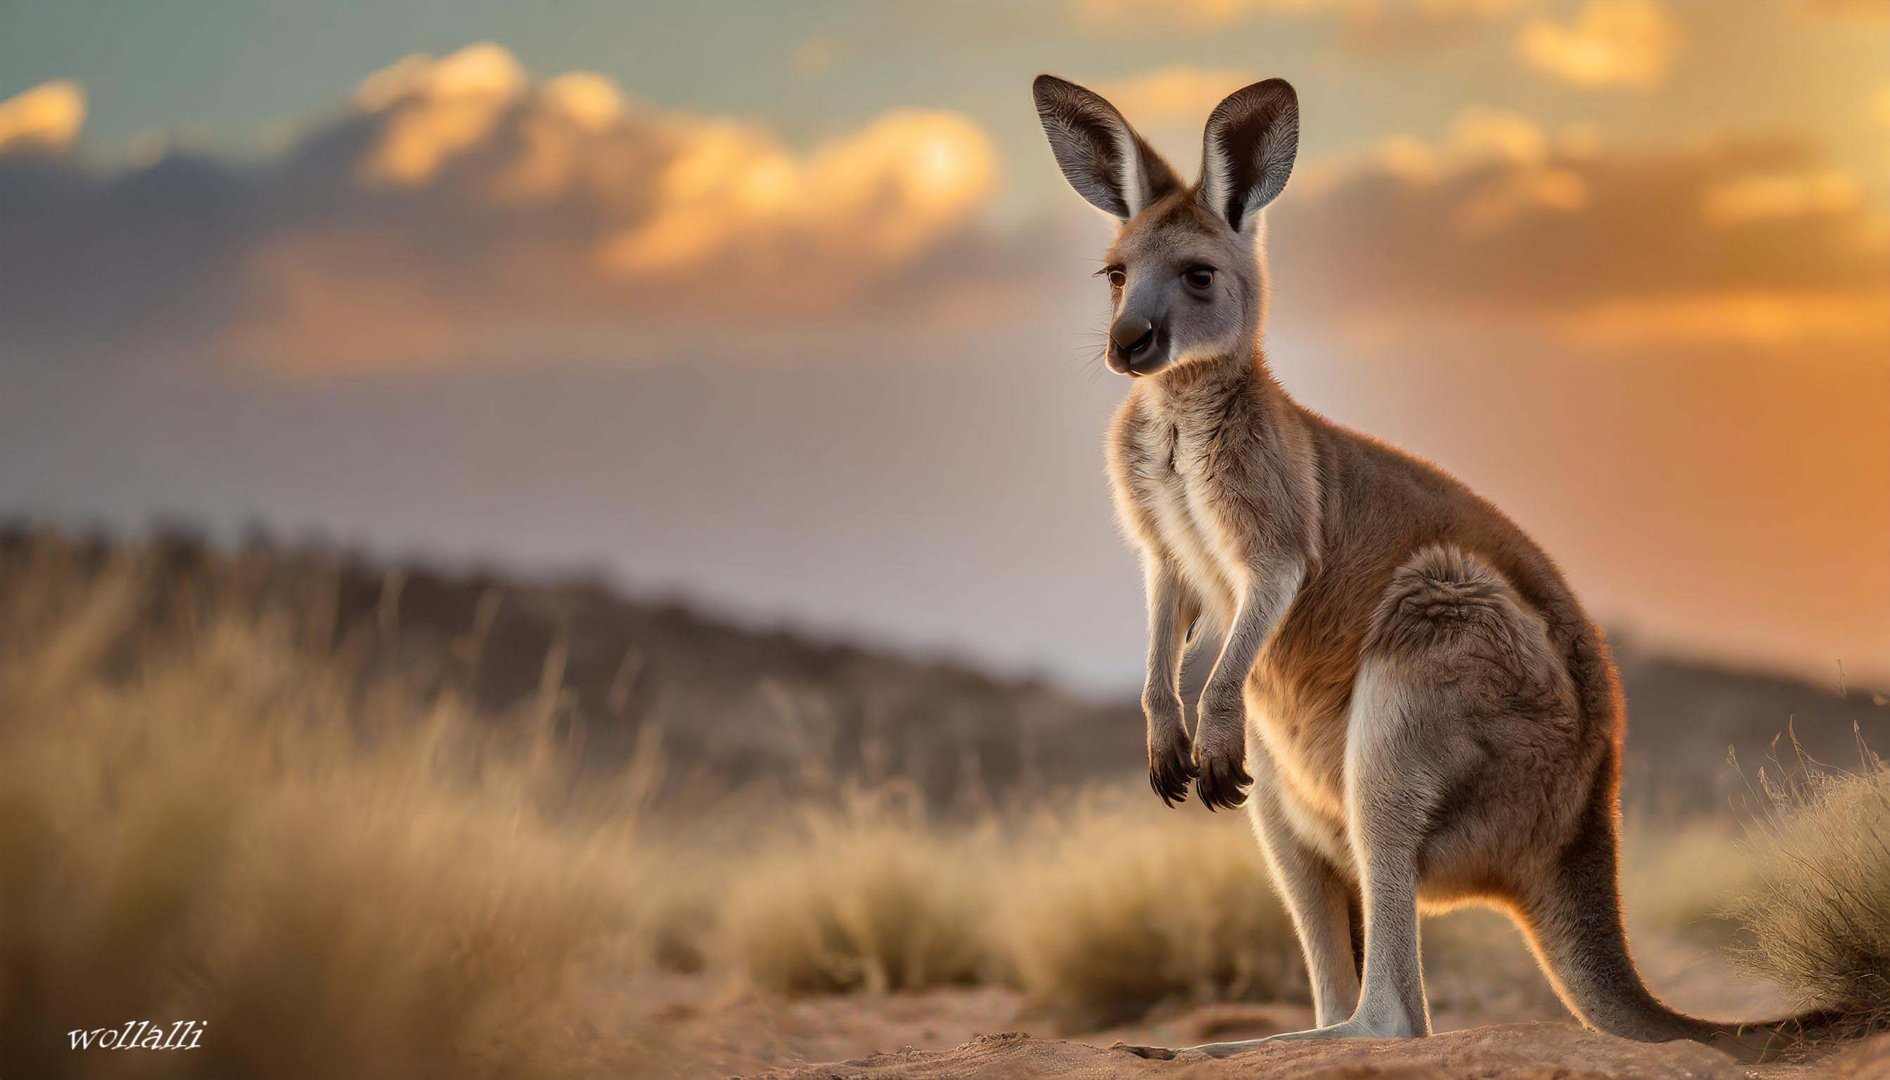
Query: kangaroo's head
x,y
1185,271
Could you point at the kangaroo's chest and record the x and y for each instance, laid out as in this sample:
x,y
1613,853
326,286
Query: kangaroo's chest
x,y
1190,504
1172,485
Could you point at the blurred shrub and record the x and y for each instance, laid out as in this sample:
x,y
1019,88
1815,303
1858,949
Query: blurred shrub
x,y
342,878
866,896
1112,906
1817,918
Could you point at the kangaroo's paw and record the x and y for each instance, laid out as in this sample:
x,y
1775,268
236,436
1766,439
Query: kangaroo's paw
x,y
1222,759
1171,763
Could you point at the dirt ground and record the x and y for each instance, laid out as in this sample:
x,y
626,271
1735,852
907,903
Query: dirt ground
x,y
1537,1051
702,1027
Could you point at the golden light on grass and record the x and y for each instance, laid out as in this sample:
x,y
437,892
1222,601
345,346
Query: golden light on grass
x,y
1817,918
341,879
1113,907
204,813
865,896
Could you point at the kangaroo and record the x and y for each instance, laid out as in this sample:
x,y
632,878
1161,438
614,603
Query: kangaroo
x,y
1408,697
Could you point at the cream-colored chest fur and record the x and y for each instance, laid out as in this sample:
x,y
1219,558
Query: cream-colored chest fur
x,y
1173,479
1170,484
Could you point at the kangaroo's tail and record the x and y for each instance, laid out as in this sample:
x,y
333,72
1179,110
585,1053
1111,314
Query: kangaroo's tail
x,y
1573,920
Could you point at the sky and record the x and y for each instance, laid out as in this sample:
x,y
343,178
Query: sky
x,y
785,307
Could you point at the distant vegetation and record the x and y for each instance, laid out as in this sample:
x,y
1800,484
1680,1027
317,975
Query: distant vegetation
x,y
731,707
728,706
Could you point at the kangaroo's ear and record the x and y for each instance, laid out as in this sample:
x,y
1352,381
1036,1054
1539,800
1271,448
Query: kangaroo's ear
x,y
1101,155
1248,151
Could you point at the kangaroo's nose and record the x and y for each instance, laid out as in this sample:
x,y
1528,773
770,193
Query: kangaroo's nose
x,y
1132,334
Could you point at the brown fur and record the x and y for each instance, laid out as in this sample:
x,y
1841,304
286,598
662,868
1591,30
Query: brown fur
x,y
1375,526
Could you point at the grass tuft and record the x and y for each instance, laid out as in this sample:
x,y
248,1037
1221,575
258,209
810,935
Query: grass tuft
x,y
866,896
1116,907
1817,917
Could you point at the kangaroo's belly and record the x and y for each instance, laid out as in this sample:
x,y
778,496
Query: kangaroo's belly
x,y
1299,693
1305,740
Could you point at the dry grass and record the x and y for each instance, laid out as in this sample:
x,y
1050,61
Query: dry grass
x,y
1098,911
346,877
1104,908
1112,906
867,896
1817,918
342,882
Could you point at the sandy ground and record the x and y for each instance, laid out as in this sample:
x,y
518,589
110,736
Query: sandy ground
x,y
1537,1051
1507,1025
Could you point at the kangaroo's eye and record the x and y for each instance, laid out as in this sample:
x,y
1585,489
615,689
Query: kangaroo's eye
x,y
1199,278
1117,279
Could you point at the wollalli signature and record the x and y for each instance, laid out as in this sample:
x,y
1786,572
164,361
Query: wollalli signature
x,y
141,1035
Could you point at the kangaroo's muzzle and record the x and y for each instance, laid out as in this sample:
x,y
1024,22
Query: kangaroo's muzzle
x,y
1132,349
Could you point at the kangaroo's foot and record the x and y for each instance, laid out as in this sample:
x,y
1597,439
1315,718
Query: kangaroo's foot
x,y
1350,1029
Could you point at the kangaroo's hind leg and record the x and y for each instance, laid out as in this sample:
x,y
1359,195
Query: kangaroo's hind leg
x,y
1461,747
1321,901
1460,736
1399,773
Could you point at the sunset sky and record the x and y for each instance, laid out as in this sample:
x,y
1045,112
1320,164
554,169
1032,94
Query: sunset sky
x,y
785,307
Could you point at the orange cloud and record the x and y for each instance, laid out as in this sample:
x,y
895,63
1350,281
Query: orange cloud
x,y
1757,241
1781,195
1515,168
1191,13
1735,317
46,118
591,214
1609,43
437,109
459,211
732,197
1867,8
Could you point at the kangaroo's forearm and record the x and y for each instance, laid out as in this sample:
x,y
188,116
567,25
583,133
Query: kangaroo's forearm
x,y
1172,609
1261,607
